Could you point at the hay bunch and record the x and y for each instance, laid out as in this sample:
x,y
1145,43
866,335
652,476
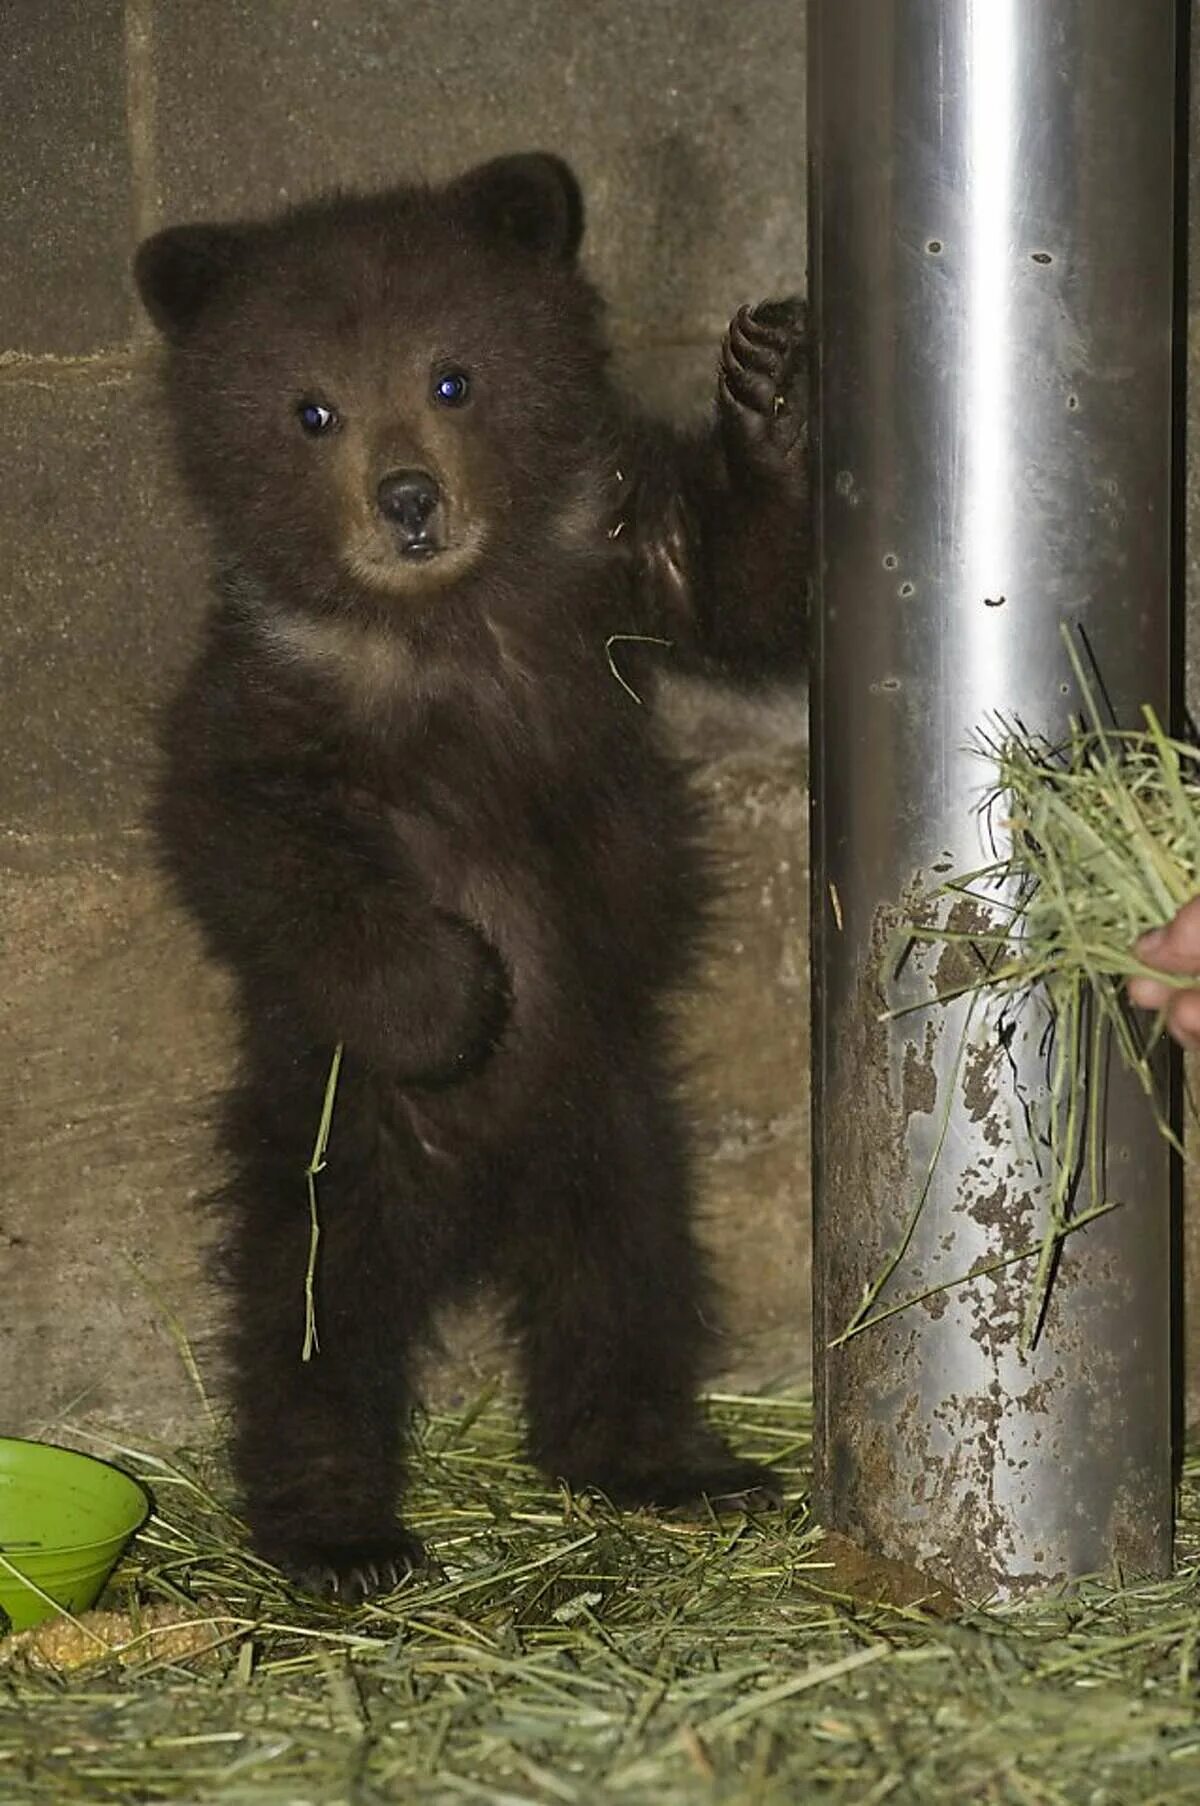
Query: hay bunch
x,y
1097,842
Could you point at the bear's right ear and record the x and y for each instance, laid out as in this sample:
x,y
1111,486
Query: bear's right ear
x,y
179,271
531,201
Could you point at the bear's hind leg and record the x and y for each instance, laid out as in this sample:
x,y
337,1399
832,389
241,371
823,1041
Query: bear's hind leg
x,y
614,1311
317,1443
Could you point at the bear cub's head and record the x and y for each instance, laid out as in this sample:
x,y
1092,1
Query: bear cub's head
x,y
374,394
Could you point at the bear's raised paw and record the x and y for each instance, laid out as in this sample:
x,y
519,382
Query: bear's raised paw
x,y
762,389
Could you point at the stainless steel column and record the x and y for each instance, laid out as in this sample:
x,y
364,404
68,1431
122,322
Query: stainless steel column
x,y
992,283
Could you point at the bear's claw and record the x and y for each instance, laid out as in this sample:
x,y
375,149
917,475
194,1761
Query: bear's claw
x,y
352,1571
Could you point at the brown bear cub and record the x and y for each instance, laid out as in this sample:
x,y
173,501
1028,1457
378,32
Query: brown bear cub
x,y
414,801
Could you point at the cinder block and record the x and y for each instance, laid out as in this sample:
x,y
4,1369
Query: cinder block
x,y
755,1222
116,1031
686,121
749,1018
672,382
102,589
65,194
746,1042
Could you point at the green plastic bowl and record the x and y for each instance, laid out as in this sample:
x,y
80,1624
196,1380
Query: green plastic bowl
x,y
64,1521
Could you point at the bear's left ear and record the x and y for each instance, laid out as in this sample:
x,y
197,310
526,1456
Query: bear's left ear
x,y
180,270
531,201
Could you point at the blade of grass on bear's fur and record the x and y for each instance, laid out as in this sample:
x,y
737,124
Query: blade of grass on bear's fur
x,y
311,1344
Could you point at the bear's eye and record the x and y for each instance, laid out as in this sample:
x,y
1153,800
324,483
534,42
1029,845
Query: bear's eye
x,y
314,418
451,388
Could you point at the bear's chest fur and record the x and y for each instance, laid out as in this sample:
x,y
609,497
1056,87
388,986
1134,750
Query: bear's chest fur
x,y
530,792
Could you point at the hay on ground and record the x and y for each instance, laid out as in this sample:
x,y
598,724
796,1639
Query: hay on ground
x,y
574,1654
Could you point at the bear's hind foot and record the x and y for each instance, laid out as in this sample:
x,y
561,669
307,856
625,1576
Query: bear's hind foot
x,y
726,1487
700,1471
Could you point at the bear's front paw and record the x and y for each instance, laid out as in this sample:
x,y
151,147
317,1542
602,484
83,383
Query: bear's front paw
x,y
435,1012
461,1016
352,1571
762,390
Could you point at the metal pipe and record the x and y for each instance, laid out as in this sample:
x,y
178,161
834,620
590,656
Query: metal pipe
x,y
991,277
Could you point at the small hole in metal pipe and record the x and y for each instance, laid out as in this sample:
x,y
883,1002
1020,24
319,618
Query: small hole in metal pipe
x,y
906,589
934,247
890,561
1042,257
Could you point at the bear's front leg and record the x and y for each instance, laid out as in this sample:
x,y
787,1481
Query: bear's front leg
x,y
753,528
308,891
719,528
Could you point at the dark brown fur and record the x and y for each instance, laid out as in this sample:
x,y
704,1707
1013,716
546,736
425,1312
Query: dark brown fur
x,y
415,813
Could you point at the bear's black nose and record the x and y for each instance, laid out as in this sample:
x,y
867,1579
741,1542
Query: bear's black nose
x,y
407,498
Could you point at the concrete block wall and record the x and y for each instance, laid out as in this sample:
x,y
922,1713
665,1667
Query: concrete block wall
x,y
686,123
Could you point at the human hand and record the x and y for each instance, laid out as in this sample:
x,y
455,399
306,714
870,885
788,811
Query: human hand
x,y
1174,948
